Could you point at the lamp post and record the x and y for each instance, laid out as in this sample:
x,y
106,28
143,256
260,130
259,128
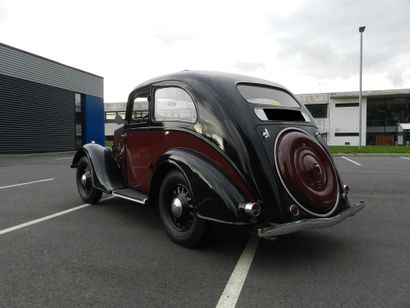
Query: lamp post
x,y
361,30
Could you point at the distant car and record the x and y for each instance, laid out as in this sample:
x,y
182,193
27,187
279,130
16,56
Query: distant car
x,y
206,146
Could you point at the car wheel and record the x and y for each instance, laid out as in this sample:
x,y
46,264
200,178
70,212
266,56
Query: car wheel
x,y
85,187
176,210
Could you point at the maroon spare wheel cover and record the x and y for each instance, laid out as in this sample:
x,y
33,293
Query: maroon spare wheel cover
x,y
306,171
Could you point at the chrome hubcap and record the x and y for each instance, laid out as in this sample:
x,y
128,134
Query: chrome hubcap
x,y
85,178
176,207
181,209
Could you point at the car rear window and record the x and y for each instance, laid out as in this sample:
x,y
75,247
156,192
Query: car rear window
x,y
264,95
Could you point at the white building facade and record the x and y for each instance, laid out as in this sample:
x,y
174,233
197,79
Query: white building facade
x,y
383,113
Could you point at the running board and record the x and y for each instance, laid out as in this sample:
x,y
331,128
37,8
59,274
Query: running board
x,y
132,195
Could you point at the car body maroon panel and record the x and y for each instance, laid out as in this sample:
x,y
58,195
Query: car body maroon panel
x,y
137,159
164,140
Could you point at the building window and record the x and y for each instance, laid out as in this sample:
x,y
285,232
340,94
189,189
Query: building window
x,y
383,117
317,110
346,134
344,105
110,116
78,121
388,112
174,104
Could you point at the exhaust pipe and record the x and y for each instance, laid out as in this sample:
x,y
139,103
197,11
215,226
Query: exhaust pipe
x,y
251,208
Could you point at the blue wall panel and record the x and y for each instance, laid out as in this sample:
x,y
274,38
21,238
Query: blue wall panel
x,y
93,119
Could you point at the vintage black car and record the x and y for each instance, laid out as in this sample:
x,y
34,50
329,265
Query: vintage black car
x,y
208,146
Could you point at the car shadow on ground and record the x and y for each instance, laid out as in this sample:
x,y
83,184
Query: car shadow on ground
x,y
310,245
218,236
306,247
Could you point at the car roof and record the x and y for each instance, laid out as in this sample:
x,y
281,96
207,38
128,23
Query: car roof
x,y
188,76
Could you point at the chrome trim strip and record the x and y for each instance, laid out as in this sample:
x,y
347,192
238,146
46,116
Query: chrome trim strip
x,y
143,201
305,224
260,114
283,183
306,117
222,221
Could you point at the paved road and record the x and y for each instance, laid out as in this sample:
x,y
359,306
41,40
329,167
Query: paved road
x,y
363,262
117,254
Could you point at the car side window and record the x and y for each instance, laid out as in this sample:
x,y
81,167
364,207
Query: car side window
x,y
175,105
140,110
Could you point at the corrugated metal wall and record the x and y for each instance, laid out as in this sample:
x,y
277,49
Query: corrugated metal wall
x,y
93,119
35,117
20,64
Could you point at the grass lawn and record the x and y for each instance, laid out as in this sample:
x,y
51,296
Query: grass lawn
x,y
108,143
370,149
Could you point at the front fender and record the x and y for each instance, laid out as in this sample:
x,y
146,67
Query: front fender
x,y
106,174
214,194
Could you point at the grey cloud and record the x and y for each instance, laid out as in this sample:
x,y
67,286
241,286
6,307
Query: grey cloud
x,y
396,78
322,38
248,66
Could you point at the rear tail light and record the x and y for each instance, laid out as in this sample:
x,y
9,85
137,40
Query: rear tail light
x,y
346,191
294,210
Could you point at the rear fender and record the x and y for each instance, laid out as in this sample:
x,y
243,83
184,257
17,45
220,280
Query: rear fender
x,y
214,194
106,173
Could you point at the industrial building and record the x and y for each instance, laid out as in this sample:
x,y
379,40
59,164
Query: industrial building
x,y
385,116
47,106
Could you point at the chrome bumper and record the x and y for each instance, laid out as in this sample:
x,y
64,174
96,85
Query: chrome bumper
x,y
304,224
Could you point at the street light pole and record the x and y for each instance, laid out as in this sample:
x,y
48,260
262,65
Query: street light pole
x,y
361,30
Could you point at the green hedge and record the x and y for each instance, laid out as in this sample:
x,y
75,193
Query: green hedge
x,y
370,149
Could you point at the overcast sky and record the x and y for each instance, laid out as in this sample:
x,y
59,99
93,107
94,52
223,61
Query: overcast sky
x,y
306,45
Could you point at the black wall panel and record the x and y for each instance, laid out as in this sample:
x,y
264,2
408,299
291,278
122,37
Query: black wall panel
x,y
35,117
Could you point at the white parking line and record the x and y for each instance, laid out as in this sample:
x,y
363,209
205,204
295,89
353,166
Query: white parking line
x,y
404,157
32,222
234,286
352,161
29,223
27,183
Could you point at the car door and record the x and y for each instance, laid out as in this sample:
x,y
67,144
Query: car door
x,y
137,141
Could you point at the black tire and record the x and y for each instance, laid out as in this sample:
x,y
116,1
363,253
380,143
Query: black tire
x,y
84,179
181,223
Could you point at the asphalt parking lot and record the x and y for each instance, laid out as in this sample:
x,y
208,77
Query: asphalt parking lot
x,y
117,253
